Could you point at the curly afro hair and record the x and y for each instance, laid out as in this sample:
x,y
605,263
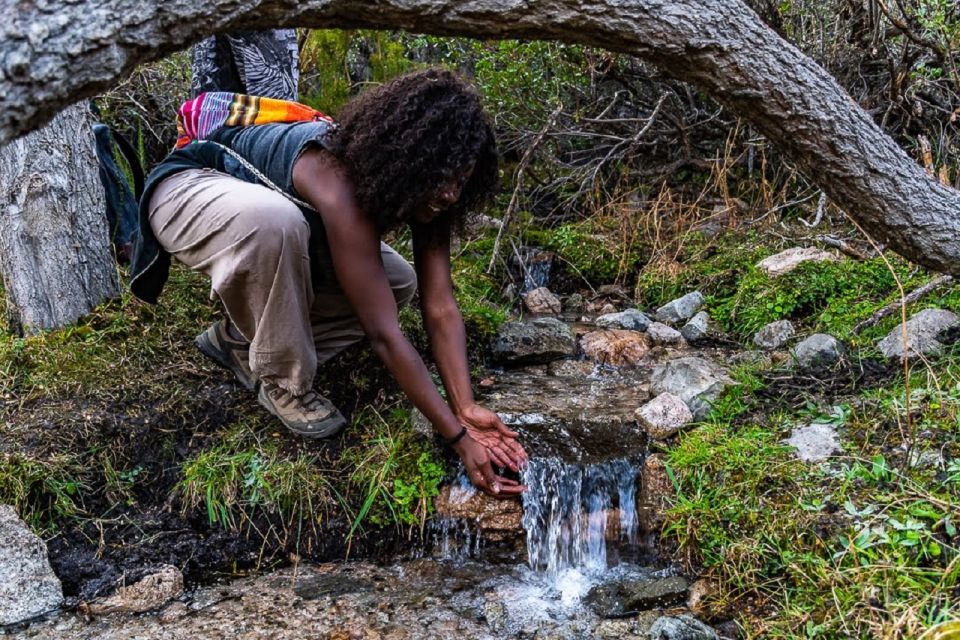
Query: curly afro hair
x,y
403,139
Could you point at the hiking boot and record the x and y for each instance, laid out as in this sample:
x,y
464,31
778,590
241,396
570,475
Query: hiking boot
x,y
310,415
216,344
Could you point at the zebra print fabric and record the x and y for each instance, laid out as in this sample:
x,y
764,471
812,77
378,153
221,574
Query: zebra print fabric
x,y
258,63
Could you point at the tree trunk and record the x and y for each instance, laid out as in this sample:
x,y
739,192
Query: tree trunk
x,y
56,52
55,256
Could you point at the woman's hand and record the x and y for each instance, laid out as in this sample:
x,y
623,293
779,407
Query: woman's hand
x,y
485,427
481,474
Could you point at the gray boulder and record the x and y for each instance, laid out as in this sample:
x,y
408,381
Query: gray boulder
x,y
775,335
927,334
660,333
682,627
681,309
538,341
697,381
664,416
632,319
814,442
150,593
697,329
28,586
819,350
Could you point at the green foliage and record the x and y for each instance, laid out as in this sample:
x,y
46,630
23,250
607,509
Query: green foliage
x,y
247,474
477,292
825,296
395,473
337,63
43,492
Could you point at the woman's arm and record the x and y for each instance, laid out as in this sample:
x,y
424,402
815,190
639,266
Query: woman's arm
x,y
444,325
355,249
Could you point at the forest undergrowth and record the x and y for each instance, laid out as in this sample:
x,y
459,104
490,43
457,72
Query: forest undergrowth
x,y
116,428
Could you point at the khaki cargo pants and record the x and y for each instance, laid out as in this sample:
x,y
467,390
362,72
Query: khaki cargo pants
x,y
253,243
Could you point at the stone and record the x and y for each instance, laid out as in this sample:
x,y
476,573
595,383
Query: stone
x,y
818,350
497,519
541,301
774,335
664,416
616,347
632,319
699,595
173,612
28,586
608,308
682,627
151,592
538,341
681,309
571,368
574,303
697,329
787,261
814,442
660,333
655,492
663,592
697,381
619,599
927,334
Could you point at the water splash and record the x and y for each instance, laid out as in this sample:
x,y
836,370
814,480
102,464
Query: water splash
x,y
567,508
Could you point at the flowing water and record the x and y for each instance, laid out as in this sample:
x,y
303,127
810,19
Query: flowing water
x,y
579,530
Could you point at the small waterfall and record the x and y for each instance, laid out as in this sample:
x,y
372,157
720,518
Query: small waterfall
x,y
566,511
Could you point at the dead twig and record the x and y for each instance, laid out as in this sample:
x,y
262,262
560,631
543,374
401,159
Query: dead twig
x,y
514,197
844,247
910,298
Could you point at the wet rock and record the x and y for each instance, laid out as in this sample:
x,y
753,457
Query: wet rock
x,y
613,629
697,329
28,587
927,334
498,519
814,442
330,584
616,347
683,627
608,308
574,303
643,595
787,261
680,309
571,368
655,492
698,595
541,301
151,592
496,616
664,416
538,341
697,381
660,333
173,612
774,335
619,599
632,319
818,350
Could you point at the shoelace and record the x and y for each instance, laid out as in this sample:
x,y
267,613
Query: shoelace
x,y
310,401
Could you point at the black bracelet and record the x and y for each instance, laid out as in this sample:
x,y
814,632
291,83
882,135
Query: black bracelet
x,y
455,439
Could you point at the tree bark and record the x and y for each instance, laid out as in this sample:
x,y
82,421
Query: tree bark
x,y
55,256
56,52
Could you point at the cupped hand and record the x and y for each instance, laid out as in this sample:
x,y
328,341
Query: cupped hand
x,y
485,427
480,471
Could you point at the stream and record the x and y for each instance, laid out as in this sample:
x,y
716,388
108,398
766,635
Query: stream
x,y
574,562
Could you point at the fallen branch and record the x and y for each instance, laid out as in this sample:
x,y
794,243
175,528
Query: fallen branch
x,y
515,196
844,247
910,298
